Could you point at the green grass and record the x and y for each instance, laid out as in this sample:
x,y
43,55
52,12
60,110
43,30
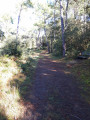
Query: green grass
x,y
25,80
54,106
82,71
55,57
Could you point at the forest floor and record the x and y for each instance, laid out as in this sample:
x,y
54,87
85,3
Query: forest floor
x,y
41,87
55,93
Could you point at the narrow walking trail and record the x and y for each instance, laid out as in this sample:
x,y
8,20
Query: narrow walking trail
x,y
55,94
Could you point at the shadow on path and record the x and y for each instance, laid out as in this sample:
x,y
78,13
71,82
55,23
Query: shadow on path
x,y
55,95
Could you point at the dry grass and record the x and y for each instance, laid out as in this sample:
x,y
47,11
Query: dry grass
x,y
9,97
12,105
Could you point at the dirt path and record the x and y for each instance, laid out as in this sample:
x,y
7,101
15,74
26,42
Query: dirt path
x,y
55,95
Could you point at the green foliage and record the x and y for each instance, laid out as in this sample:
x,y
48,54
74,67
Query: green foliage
x,y
88,9
82,71
1,33
77,39
77,36
28,3
24,81
28,66
57,48
12,49
44,45
19,72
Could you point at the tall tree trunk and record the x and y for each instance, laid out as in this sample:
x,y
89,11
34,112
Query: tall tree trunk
x,y
62,27
54,20
66,22
84,16
18,22
51,48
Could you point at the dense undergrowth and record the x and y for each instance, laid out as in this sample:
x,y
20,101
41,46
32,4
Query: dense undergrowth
x,y
76,39
16,74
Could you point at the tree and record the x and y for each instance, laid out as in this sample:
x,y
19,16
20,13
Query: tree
x,y
43,14
24,5
62,27
18,21
54,18
66,14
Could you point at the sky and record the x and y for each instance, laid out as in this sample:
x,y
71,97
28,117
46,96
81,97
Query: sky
x,y
8,6
27,17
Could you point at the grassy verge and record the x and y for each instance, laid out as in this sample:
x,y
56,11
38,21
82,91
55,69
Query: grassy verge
x,y
16,76
82,70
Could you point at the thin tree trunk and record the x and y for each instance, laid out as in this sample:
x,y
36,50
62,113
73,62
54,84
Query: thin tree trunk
x,y
84,16
62,27
18,22
66,22
54,20
1,36
51,50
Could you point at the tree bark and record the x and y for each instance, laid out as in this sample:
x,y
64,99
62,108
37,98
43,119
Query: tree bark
x,y
54,20
51,49
62,27
66,22
18,22
84,16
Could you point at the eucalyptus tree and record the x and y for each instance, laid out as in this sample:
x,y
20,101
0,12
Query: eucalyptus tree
x,y
59,5
62,27
54,13
18,21
23,5
66,23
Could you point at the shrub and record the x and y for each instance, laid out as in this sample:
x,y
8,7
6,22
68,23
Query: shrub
x,y
77,39
57,48
12,49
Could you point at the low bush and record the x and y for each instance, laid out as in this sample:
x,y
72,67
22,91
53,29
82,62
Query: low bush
x,y
12,48
57,48
77,39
